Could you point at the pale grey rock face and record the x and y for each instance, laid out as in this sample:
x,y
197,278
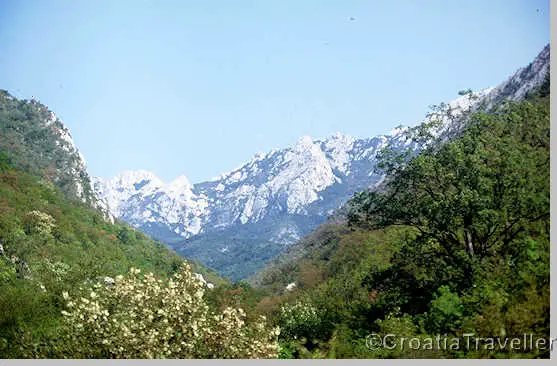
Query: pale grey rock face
x,y
75,167
290,181
522,81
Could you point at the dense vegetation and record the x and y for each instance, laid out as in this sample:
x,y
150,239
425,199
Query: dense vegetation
x,y
53,248
62,289
144,317
456,242
246,250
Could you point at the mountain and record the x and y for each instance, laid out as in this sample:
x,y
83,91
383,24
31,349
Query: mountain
x,y
53,238
456,241
238,221
257,209
38,142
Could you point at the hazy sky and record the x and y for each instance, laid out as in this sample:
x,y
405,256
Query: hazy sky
x,y
199,87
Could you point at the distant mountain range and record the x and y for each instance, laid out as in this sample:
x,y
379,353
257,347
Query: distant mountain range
x,y
240,220
251,212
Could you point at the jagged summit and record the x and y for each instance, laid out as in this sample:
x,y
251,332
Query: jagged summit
x,y
179,184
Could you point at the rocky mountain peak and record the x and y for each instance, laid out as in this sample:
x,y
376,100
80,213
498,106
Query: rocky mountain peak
x,y
181,183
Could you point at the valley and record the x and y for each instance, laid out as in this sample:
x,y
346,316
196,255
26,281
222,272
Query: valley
x,y
438,227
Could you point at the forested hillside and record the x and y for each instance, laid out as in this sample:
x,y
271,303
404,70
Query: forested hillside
x,y
63,293
50,245
73,283
456,242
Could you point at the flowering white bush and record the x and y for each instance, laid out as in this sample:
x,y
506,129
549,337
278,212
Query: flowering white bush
x,y
56,270
300,320
37,222
144,317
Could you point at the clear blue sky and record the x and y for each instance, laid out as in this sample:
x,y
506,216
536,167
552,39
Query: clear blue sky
x,y
199,87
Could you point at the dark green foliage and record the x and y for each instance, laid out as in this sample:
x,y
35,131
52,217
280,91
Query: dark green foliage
x,y
445,312
456,241
472,199
5,162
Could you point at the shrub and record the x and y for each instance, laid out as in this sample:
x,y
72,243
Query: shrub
x,y
301,320
446,311
37,222
144,317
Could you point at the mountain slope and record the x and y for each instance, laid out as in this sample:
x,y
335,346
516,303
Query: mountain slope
x,y
239,220
457,241
50,244
38,142
53,236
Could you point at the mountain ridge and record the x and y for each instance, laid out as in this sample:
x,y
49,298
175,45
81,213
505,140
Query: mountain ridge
x,y
288,191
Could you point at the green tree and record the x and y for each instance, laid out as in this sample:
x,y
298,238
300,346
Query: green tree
x,y
446,311
476,193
